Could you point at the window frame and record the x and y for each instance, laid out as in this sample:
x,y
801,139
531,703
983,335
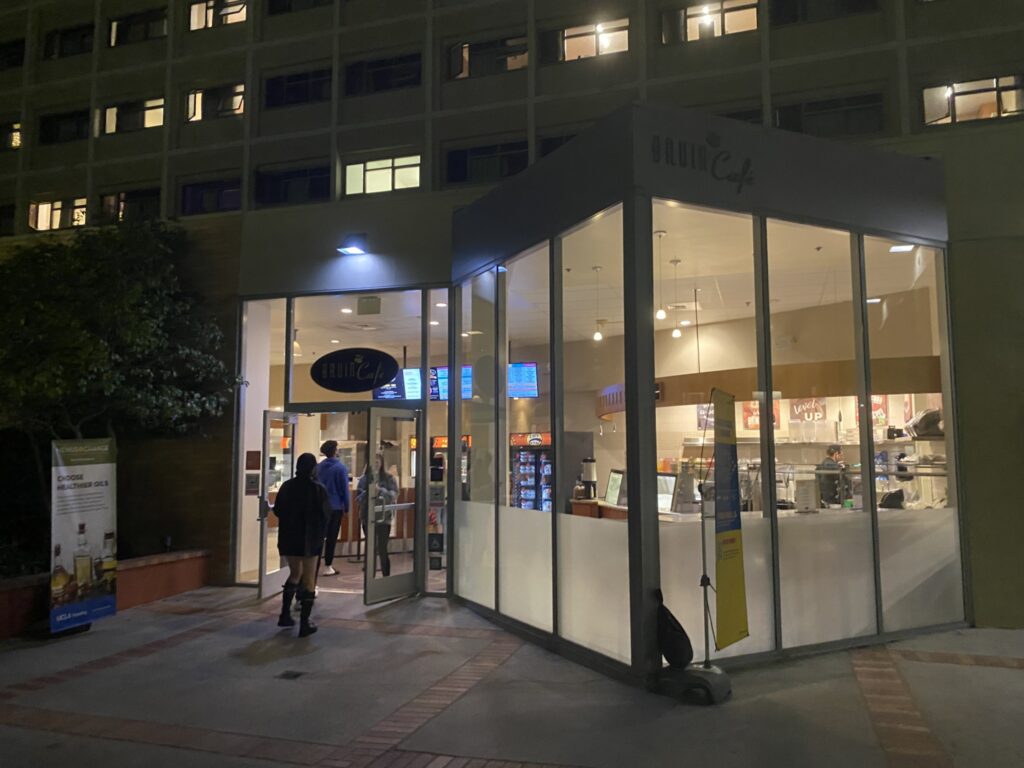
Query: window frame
x,y
197,109
58,121
70,212
56,41
9,49
216,13
502,49
123,200
952,94
846,108
281,7
139,107
801,10
500,151
11,136
561,36
363,71
310,175
395,167
219,187
683,15
317,82
142,20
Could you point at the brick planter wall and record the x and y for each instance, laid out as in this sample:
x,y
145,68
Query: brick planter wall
x,y
24,601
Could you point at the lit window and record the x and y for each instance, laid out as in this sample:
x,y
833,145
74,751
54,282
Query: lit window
x,y
10,136
382,175
215,13
133,116
974,100
707,20
487,58
584,42
57,214
212,103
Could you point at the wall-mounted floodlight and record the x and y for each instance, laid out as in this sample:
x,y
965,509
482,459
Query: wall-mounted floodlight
x,y
353,245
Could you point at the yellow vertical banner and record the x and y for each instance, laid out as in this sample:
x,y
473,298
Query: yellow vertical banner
x,y
731,587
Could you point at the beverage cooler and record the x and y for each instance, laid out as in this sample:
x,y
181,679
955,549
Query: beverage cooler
x,y
530,470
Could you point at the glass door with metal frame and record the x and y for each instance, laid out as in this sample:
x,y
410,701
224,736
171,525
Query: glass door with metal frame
x,y
391,505
279,431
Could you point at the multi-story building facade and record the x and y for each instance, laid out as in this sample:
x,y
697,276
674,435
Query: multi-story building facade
x,y
271,128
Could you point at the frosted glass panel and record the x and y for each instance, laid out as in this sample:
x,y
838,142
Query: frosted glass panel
x,y
524,575
593,584
474,551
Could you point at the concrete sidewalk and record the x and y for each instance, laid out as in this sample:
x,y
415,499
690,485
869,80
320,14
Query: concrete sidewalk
x,y
207,679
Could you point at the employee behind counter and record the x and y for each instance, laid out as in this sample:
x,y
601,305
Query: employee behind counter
x,y
833,485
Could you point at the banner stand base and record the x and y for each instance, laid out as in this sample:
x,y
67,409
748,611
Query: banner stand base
x,y
49,634
712,680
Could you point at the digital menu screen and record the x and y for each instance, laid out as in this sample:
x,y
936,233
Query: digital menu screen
x,y
406,386
522,380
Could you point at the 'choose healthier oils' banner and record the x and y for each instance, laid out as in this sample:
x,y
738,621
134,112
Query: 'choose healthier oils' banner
x,y
83,581
731,592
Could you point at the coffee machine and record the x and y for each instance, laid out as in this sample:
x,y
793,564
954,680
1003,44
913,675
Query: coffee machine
x,y
588,476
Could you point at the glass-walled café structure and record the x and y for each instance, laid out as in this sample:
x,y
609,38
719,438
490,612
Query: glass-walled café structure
x,y
562,381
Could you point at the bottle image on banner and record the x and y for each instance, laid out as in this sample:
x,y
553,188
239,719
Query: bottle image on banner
x,y
59,579
83,562
108,563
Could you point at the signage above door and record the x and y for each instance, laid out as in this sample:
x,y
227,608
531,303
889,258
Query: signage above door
x,y
357,369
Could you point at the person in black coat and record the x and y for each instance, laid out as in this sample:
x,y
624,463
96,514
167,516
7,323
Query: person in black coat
x,y
303,510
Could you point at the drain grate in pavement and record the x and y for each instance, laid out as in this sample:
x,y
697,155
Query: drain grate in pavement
x,y
291,674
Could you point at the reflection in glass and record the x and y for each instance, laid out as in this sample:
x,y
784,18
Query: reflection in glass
x,y
825,541
704,266
919,539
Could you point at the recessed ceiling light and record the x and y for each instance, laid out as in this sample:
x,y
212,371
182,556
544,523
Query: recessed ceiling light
x,y
441,304
901,249
685,323
465,335
346,310
335,341
434,322
473,333
874,301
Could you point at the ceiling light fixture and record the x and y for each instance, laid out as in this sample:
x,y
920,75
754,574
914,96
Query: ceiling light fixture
x,y
874,301
598,324
346,310
434,322
660,314
901,249
676,333
441,305
354,244
335,341
296,347
685,323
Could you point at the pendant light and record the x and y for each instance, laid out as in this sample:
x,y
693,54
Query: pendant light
x,y
598,323
676,333
660,314
296,349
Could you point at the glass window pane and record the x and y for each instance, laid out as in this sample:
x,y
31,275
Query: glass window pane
x,y
407,178
702,26
918,529
524,515
410,160
706,336
615,41
378,181
825,541
741,21
593,572
376,165
974,85
354,179
976,106
1012,101
936,105
582,47
437,432
475,510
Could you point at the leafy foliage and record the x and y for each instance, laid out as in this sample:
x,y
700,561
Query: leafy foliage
x,y
97,335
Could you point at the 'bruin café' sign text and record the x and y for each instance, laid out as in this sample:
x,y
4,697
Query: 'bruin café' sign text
x,y
708,157
357,369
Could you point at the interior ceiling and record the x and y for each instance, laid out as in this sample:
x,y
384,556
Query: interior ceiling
x,y
808,267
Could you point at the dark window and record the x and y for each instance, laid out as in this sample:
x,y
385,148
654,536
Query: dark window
x,y
791,11
849,116
293,186
211,197
549,144
364,77
300,88
6,220
69,126
68,42
481,165
746,116
287,6
136,205
488,58
12,54
138,27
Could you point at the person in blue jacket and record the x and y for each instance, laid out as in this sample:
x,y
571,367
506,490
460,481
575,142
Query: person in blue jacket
x,y
333,475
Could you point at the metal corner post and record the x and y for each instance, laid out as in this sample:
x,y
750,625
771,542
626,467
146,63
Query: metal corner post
x,y
557,414
454,428
765,384
501,449
423,454
867,439
641,446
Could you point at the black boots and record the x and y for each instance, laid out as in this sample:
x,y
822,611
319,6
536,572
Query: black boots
x,y
287,595
306,626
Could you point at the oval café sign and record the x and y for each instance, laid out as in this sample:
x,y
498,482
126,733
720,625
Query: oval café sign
x,y
358,369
